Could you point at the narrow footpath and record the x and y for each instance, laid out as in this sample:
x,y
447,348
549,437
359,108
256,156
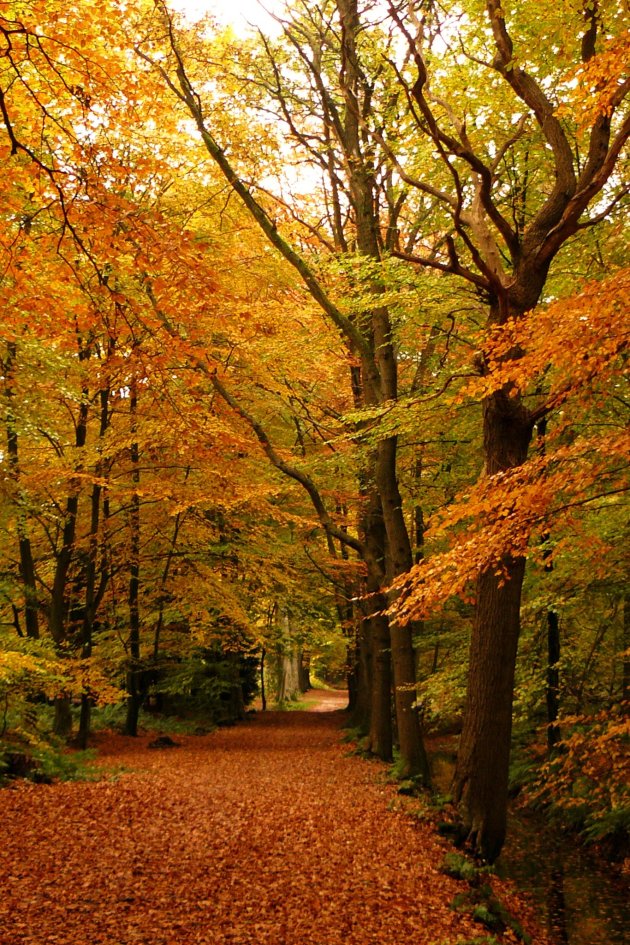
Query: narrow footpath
x,y
268,833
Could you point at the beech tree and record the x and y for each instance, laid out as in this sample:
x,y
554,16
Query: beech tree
x,y
504,233
360,209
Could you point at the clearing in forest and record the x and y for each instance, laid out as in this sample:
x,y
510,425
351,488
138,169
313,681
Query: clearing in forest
x,y
269,832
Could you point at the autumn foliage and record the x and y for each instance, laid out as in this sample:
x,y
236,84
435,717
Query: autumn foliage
x,y
316,344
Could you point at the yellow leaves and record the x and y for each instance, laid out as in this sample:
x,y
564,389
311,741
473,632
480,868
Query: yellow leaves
x,y
15,667
38,670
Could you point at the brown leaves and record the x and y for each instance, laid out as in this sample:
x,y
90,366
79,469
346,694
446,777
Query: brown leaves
x,y
265,833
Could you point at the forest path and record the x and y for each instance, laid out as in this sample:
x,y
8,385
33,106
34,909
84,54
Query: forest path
x,y
325,700
267,833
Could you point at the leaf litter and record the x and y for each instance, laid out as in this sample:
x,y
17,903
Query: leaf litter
x,y
269,833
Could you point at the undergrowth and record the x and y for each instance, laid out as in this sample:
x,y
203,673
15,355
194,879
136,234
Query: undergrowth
x,y
43,761
479,900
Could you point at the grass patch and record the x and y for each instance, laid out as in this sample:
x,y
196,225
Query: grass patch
x,y
290,705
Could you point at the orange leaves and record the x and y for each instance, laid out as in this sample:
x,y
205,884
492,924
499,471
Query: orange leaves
x,y
268,832
590,778
571,354
598,82
498,516
574,344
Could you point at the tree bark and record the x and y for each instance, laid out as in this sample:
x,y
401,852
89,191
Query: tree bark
x,y
380,737
481,775
263,694
93,594
553,680
625,667
134,697
27,564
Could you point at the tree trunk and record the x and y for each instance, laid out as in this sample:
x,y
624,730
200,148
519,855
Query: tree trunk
x,y
85,721
263,694
359,670
304,671
414,760
481,775
133,674
553,679
62,724
625,669
27,564
380,737
93,594
362,709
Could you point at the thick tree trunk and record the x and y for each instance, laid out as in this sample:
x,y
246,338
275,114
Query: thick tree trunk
x,y
481,776
62,723
380,737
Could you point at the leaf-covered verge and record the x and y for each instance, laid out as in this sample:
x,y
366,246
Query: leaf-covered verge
x,y
268,832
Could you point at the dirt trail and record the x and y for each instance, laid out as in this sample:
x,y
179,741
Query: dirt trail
x,y
263,834
325,700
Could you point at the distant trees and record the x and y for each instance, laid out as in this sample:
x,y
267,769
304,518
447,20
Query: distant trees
x,y
130,496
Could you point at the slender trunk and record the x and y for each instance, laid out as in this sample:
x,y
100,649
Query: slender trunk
x,y
57,614
27,564
553,680
481,776
263,695
58,601
414,760
360,709
92,594
625,672
133,674
90,612
552,691
164,580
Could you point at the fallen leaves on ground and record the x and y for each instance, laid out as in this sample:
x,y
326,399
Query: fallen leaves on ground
x,y
264,834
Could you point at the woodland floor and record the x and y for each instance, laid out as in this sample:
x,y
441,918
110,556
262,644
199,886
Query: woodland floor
x,y
268,833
